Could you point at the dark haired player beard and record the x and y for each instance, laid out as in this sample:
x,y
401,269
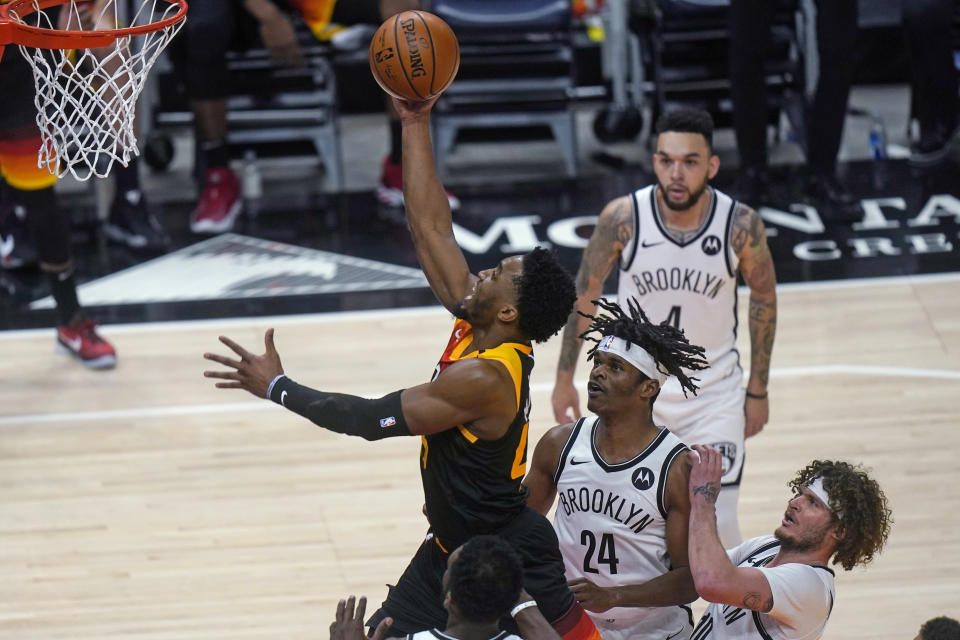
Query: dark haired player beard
x,y
683,205
804,542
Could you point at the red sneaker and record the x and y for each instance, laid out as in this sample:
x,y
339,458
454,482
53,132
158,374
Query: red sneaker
x,y
219,203
82,342
390,189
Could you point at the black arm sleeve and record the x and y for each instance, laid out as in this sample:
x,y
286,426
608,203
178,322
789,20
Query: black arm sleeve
x,y
350,415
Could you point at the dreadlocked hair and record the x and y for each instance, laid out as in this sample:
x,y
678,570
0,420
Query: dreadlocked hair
x,y
545,295
865,514
665,343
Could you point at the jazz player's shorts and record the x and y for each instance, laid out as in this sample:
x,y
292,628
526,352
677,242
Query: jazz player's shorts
x,y
714,417
415,603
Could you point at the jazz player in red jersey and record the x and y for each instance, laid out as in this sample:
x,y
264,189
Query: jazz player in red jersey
x,y
473,415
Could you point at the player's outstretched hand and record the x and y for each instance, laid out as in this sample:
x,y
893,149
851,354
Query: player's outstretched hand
x,y
251,372
349,626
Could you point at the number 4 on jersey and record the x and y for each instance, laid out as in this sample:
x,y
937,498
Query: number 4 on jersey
x,y
606,555
673,318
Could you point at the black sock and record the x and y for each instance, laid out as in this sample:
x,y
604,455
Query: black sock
x,y
127,178
63,286
217,152
396,141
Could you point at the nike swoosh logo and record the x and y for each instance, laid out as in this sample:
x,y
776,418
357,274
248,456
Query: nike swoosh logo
x,y
647,245
74,343
572,461
283,398
6,246
674,635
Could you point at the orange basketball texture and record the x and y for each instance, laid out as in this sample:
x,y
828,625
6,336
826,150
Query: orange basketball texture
x,y
414,55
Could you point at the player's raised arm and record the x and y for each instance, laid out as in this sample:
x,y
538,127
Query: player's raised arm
x,y
428,210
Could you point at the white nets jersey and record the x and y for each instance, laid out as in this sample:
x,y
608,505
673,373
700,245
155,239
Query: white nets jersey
x,y
434,634
691,285
803,597
611,520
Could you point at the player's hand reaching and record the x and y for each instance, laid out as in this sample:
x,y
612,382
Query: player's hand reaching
x,y
566,402
251,372
349,626
705,473
410,110
591,597
757,412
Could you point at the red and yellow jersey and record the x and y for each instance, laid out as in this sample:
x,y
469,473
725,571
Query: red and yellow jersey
x,y
316,14
473,486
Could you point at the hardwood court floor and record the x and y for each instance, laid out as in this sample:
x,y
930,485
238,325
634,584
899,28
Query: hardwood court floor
x,y
144,503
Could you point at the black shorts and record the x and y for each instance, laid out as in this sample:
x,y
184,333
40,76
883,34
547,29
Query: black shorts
x,y
349,12
415,603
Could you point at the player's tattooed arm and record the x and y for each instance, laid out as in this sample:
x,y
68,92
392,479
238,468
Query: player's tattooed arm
x,y
749,241
709,491
757,602
716,578
612,233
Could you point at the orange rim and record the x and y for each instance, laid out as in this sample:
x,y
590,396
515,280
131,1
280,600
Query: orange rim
x,y
14,32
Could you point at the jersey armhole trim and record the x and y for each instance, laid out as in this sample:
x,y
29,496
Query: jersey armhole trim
x,y
635,241
728,245
664,472
567,446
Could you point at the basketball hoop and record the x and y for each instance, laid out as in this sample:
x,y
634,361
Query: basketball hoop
x,y
88,74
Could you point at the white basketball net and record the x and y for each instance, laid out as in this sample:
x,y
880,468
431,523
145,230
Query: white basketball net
x,y
87,98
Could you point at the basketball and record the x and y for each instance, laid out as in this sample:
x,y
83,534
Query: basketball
x,y
414,55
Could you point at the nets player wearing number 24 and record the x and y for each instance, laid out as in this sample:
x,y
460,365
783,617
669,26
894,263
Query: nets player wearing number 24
x,y
472,416
621,483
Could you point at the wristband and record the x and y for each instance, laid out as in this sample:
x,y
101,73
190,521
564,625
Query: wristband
x,y
272,383
757,396
520,607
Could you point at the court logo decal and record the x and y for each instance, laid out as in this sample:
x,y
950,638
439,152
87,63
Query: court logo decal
x,y
232,266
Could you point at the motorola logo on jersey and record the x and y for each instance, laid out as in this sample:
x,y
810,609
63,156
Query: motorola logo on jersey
x,y
729,452
643,478
711,245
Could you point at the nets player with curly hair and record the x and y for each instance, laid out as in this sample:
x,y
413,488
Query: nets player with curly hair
x,y
473,416
779,587
621,481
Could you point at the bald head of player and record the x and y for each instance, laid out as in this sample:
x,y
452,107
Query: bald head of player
x,y
529,296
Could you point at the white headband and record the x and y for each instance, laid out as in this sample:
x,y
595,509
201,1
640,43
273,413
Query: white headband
x,y
816,488
635,355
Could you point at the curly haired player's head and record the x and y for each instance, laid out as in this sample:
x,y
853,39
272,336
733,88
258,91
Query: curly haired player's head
x,y
483,579
531,292
858,508
545,295
668,347
940,628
